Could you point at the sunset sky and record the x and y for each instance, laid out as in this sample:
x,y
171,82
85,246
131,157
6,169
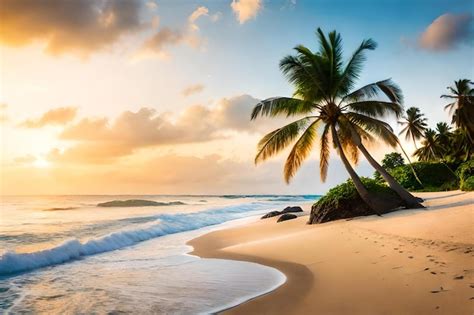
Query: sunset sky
x,y
154,97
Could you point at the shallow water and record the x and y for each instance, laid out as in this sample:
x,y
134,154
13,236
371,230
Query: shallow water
x,y
88,259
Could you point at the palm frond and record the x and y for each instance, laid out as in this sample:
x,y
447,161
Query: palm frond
x,y
300,151
277,140
353,68
386,87
374,126
376,108
324,153
281,106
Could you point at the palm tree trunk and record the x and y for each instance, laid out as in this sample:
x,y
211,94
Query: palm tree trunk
x,y
411,166
409,200
363,192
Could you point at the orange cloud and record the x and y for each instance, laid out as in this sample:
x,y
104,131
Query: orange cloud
x,y
57,116
156,44
101,140
192,89
79,26
246,9
446,32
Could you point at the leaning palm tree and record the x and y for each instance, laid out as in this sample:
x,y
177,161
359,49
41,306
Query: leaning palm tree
x,y
414,124
462,95
430,150
325,96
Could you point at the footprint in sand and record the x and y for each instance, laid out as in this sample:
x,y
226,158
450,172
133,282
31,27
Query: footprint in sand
x,y
458,277
433,273
411,257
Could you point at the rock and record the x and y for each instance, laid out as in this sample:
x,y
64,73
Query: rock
x,y
271,214
291,209
286,216
286,210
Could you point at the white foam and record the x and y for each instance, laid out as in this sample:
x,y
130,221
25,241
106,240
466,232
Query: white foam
x,y
12,262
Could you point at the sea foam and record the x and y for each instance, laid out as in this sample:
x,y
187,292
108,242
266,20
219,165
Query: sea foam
x,y
12,262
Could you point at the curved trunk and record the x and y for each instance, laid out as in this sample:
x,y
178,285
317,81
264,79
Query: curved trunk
x,y
411,166
363,192
409,200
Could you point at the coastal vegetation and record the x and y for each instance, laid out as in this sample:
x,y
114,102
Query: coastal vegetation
x,y
335,111
329,107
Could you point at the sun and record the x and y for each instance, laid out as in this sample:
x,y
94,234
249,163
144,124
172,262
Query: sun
x,y
41,163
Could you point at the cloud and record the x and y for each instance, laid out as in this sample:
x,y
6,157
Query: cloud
x,y
3,117
155,46
201,11
192,89
79,26
57,116
96,140
246,9
446,32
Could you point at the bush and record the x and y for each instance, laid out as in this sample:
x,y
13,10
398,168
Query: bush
x,y
465,171
435,176
343,201
468,184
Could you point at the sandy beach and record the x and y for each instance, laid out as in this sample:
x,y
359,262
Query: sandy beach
x,y
406,262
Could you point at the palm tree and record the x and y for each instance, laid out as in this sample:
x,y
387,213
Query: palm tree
x,y
414,124
462,95
324,95
430,150
443,135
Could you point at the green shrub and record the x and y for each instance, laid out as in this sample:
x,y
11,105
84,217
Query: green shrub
x,y
468,184
465,170
435,176
347,191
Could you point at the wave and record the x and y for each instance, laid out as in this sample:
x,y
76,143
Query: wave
x,y
12,262
138,203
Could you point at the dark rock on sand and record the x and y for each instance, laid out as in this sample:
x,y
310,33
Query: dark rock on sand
x,y
291,209
286,216
271,214
286,210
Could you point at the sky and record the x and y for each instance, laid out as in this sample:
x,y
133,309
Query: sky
x,y
154,97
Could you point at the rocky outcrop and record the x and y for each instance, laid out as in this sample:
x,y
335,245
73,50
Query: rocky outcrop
x,y
286,217
284,211
349,208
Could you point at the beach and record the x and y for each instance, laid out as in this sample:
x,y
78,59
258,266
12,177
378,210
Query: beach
x,y
406,262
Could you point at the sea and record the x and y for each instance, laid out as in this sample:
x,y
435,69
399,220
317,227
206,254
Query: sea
x,y
68,255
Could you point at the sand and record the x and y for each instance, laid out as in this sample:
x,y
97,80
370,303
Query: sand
x,y
406,262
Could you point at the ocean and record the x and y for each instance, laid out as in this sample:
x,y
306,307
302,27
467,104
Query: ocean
x,y
67,255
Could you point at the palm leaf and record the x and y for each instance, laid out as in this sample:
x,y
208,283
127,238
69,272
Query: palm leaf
x,y
277,140
386,87
324,153
376,108
281,106
300,151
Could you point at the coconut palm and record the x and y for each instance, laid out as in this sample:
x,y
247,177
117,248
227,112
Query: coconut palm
x,y
443,135
325,97
430,150
462,95
414,124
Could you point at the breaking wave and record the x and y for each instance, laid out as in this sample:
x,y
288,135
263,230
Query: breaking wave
x,y
163,224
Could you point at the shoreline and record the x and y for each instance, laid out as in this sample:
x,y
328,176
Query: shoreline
x,y
409,261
